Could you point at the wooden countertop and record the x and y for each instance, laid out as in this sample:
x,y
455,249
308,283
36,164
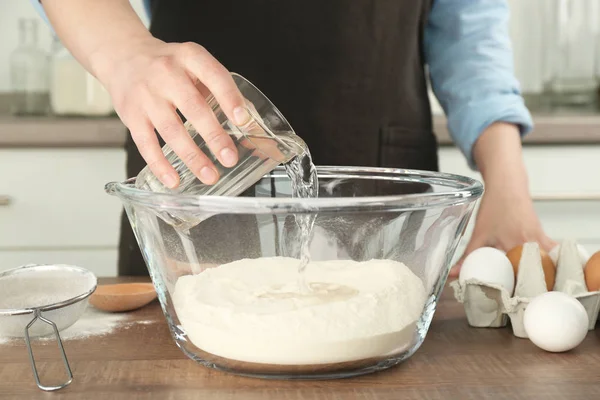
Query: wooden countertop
x,y
111,133
455,362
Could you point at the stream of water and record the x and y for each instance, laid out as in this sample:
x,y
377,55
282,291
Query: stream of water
x,y
304,181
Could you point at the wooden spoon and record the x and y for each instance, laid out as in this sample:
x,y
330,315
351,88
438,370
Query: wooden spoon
x,y
123,296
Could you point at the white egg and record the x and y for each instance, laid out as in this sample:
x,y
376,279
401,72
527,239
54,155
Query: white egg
x,y
555,252
488,265
555,322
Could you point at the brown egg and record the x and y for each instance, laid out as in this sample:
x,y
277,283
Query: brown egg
x,y
514,255
592,273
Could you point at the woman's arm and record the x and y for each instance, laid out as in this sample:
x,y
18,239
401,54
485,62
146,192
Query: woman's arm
x,y
149,80
95,32
468,51
506,215
470,60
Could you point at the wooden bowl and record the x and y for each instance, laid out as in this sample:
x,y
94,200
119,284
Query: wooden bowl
x,y
123,296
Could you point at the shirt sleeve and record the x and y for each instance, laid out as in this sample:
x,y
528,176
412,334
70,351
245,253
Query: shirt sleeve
x,y
37,4
469,56
148,8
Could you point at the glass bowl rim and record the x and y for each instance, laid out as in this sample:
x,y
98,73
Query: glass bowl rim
x,y
471,190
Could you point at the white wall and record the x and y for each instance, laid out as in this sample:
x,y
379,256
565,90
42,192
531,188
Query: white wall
x,y
10,12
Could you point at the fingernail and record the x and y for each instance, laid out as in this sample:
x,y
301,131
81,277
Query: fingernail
x,y
229,157
169,181
208,175
241,116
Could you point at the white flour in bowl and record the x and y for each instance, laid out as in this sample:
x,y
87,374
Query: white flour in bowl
x,y
252,310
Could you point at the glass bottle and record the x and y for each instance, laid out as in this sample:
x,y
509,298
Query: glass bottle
x,y
527,37
572,32
73,90
29,73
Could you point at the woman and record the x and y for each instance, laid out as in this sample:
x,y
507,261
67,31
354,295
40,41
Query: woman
x,y
349,76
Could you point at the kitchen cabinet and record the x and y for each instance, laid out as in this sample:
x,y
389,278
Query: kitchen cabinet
x,y
53,207
565,186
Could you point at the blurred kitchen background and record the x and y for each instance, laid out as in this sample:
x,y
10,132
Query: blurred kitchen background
x,y
62,142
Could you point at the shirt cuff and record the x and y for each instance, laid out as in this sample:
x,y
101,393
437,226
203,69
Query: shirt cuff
x,y
473,118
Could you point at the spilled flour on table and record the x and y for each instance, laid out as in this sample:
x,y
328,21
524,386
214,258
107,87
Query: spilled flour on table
x,y
92,323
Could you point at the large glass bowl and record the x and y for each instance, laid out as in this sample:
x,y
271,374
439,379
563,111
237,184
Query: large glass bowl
x,y
392,216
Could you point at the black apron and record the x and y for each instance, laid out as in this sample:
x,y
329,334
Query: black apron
x,y
348,75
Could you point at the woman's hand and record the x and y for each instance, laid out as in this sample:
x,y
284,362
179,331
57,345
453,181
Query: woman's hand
x,y
504,222
506,216
148,84
149,79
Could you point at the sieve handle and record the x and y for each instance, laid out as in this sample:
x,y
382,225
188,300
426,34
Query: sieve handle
x,y
38,315
5,201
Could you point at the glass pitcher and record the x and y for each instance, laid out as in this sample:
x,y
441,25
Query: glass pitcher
x,y
572,33
266,141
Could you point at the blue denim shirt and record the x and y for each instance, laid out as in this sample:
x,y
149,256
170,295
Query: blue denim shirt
x,y
469,56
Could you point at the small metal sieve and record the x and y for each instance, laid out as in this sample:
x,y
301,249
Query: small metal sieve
x,y
55,295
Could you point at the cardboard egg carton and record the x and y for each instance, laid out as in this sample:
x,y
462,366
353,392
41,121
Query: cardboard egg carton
x,y
491,306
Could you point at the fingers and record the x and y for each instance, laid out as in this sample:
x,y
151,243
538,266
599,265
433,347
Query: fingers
x,y
454,271
547,244
168,124
185,96
476,242
169,77
146,141
217,79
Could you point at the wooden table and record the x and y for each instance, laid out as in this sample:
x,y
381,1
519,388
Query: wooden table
x,y
455,362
